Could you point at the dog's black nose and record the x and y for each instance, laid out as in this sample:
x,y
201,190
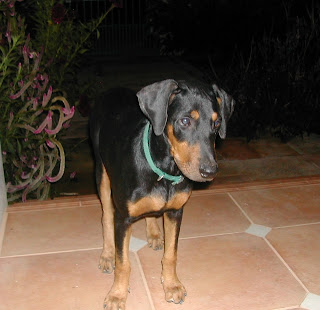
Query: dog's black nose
x,y
208,171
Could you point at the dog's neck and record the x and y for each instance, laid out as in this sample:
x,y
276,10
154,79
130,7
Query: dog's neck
x,y
161,162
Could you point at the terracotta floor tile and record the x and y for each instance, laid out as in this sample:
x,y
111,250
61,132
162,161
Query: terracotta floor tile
x,y
52,230
66,281
300,248
220,179
268,168
281,207
212,214
272,147
235,148
237,271
307,145
239,148
205,215
315,159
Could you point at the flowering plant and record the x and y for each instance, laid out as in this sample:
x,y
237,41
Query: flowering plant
x,y
34,111
31,117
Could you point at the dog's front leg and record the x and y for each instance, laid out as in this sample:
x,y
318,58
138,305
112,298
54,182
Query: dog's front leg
x,y
117,296
173,288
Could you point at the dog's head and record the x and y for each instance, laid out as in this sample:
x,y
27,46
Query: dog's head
x,y
190,115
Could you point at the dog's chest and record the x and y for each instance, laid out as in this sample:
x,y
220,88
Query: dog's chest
x,y
156,203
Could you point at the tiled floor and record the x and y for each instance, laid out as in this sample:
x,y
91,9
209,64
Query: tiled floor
x,y
247,247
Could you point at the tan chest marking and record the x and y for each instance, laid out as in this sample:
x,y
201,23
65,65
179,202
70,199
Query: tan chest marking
x,y
145,205
178,200
156,203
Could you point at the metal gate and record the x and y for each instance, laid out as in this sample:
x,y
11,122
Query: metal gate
x,y
123,31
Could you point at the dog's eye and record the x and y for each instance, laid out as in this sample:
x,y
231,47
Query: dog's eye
x,y
216,124
185,121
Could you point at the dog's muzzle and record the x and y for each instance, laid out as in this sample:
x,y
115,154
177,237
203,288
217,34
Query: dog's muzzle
x,y
208,171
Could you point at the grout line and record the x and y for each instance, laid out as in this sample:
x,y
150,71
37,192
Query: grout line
x,y
289,308
317,166
296,225
238,205
50,208
296,148
286,265
144,280
3,228
50,253
212,235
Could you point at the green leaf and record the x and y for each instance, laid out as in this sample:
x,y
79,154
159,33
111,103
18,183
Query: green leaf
x,y
10,147
3,50
19,147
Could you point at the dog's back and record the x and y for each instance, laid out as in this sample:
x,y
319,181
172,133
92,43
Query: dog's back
x,y
116,112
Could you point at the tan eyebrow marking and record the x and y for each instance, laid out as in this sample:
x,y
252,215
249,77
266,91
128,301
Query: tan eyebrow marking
x,y
214,116
195,114
219,100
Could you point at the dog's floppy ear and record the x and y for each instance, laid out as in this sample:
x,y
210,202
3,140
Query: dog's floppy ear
x,y
154,100
226,103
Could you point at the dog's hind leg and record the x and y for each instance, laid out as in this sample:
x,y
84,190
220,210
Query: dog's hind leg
x,y
107,258
154,238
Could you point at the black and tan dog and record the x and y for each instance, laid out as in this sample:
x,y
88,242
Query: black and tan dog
x,y
149,147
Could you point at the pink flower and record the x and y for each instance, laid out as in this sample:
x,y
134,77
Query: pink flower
x,y
35,102
50,144
47,97
68,112
24,175
8,35
73,174
47,120
66,125
25,53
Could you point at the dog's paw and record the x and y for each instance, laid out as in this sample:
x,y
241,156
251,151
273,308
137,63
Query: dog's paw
x,y
174,291
155,242
114,302
107,263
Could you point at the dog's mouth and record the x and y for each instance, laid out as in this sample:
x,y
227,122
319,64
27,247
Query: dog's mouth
x,y
194,173
207,177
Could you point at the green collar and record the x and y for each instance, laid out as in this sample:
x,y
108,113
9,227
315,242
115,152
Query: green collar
x,y
162,175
